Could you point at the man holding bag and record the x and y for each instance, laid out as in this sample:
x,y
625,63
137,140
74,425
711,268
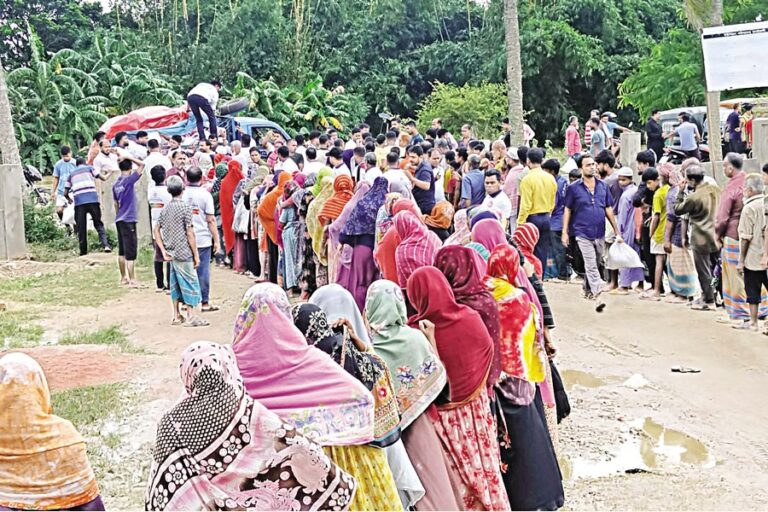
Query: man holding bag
x,y
587,206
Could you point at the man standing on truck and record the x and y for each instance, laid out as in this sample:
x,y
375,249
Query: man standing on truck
x,y
204,97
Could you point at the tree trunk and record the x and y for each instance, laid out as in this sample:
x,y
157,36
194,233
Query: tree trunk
x,y
12,242
514,72
713,102
8,148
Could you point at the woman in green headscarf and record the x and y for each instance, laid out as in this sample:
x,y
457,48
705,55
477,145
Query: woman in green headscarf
x,y
221,171
418,377
322,173
316,229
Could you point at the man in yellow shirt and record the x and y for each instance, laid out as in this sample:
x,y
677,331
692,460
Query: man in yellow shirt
x,y
537,200
658,226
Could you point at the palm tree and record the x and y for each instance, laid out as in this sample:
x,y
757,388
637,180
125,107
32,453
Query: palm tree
x,y
514,71
708,13
9,151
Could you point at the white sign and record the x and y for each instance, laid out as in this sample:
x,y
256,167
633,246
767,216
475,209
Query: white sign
x,y
735,56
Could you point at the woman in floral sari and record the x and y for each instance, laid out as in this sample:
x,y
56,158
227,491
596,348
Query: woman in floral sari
x,y
217,449
464,421
308,389
316,228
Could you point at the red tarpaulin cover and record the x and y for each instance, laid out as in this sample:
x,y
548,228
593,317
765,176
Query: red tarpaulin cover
x,y
147,118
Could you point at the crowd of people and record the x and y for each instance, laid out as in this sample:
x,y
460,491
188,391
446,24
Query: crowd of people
x,y
417,263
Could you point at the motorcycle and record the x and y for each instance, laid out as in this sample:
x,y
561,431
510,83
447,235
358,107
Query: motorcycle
x,y
31,177
676,155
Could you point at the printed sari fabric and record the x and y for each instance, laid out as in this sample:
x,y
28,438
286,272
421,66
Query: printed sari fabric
x,y
462,268
43,461
521,356
219,450
314,226
296,381
342,193
417,247
366,367
526,236
417,373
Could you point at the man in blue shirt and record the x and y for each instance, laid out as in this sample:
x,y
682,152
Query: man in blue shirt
x,y
561,271
416,137
61,172
422,179
733,128
587,206
473,184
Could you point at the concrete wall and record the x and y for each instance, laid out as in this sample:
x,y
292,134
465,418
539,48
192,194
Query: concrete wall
x,y
12,242
108,212
630,147
760,140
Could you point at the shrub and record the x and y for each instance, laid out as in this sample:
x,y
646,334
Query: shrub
x,y
482,106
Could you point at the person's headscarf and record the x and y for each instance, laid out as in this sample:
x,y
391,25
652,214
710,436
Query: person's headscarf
x,y
336,227
417,373
667,170
367,367
460,234
441,216
221,171
229,186
479,214
43,460
299,179
399,187
384,216
465,271
314,226
526,236
521,354
489,233
467,364
362,219
338,302
417,248
268,207
342,193
294,380
482,252
321,174
219,448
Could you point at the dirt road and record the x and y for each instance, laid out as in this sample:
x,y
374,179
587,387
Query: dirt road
x,y
639,436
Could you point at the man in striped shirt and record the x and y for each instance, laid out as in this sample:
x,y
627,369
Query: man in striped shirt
x,y
81,185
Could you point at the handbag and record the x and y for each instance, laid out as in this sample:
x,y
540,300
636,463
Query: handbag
x,y
241,218
562,405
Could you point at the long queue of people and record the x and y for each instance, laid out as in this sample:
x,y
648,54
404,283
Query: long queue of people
x,y
440,392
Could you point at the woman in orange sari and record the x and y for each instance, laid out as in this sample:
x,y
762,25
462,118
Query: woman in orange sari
x,y
342,192
267,215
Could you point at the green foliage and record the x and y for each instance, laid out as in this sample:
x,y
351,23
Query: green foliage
x,y
669,78
42,227
111,335
87,405
482,106
301,108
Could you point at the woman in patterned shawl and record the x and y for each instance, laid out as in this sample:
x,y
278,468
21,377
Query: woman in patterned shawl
x,y
218,449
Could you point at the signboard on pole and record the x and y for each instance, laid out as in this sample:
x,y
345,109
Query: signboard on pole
x,y
735,56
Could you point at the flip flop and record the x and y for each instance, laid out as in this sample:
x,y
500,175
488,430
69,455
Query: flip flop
x,y
652,298
197,322
209,308
177,321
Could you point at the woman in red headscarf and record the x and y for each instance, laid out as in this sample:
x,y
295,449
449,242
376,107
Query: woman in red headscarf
x,y
417,247
385,249
226,202
464,421
526,236
527,443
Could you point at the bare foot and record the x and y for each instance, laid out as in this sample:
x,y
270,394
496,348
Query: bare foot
x,y
124,282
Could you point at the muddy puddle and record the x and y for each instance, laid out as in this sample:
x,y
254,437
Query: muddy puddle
x,y
572,378
648,446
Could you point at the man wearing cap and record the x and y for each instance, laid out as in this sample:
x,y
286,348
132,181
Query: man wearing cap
x,y
511,180
587,206
699,201
629,231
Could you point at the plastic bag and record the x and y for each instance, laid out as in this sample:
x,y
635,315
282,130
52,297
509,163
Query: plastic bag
x,y
622,256
68,215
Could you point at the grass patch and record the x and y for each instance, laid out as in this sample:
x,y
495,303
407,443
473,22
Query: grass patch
x,y
87,405
17,330
88,287
112,335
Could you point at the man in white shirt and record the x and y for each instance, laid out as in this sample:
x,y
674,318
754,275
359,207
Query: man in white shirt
x,y
239,155
106,162
158,197
372,170
203,98
337,163
284,161
311,164
355,141
138,149
300,148
206,232
495,197
156,157
435,160
204,157
395,174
